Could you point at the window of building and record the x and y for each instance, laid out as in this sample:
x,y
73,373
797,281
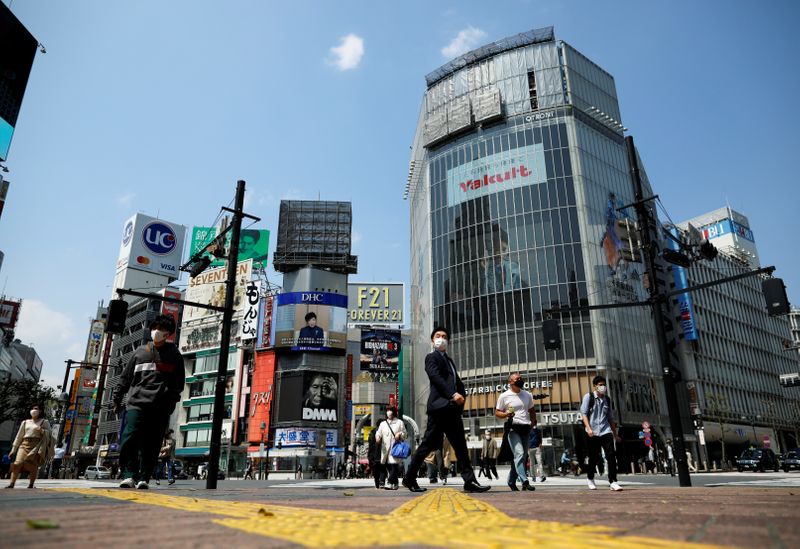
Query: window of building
x,y
532,93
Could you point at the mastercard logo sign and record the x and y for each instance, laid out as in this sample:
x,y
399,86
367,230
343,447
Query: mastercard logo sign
x,y
142,260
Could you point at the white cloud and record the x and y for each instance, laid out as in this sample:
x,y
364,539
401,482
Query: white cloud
x,y
347,55
125,199
356,237
54,337
467,39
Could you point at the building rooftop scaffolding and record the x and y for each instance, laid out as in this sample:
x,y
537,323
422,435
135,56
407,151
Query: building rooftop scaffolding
x,y
535,36
315,233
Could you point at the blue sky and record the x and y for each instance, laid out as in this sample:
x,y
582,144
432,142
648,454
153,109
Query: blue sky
x,y
160,107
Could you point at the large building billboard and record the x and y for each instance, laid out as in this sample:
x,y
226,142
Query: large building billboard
x,y
310,321
375,303
496,172
309,395
200,328
253,244
380,350
152,245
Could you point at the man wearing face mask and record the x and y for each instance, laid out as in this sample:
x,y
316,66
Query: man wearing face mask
x,y
517,404
155,377
601,428
445,405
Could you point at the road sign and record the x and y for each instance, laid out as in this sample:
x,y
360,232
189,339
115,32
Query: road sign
x,y
646,430
648,442
645,425
641,434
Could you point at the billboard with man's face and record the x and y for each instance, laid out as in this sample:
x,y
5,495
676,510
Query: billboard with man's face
x,y
253,244
310,321
308,395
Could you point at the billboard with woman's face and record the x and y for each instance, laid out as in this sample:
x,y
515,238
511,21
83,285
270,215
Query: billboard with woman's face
x,y
310,321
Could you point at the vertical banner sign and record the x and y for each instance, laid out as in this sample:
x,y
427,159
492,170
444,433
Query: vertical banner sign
x,y
688,324
172,309
249,324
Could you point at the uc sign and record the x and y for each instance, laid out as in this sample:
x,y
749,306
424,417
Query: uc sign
x,y
159,238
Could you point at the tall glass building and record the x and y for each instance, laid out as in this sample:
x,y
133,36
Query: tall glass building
x,y
517,170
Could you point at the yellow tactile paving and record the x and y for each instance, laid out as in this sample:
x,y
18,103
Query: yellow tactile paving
x,y
443,518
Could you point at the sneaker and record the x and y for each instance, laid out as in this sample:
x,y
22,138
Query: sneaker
x,y
592,485
541,479
158,482
127,483
615,486
171,481
142,485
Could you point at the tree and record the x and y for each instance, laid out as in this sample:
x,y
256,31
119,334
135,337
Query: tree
x,y
18,395
718,409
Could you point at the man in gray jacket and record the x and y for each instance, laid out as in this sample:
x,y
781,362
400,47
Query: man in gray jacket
x,y
155,376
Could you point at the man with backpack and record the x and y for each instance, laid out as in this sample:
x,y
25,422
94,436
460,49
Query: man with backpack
x,y
601,429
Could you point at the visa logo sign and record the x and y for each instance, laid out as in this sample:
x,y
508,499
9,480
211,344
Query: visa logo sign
x,y
168,267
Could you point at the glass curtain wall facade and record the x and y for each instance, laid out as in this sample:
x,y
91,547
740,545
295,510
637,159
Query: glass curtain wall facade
x,y
513,211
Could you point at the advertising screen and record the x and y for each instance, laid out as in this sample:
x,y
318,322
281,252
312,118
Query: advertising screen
x,y
253,244
380,350
308,396
375,303
310,321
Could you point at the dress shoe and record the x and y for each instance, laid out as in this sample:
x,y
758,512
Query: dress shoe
x,y
526,486
474,487
434,480
413,486
513,487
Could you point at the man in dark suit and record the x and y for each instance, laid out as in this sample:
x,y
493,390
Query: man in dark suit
x,y
445,405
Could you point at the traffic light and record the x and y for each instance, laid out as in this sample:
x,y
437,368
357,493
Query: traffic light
x,y
676,258
117,313
775,296
199,266
551,332
706,250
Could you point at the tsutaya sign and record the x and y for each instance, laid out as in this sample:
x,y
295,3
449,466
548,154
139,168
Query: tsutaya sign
x,y
496,172
559,418
499,388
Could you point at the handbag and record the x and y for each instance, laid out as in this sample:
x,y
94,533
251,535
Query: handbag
x,y
400,448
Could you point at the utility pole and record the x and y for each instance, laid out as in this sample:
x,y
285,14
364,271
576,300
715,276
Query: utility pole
x,y
225,339
658,300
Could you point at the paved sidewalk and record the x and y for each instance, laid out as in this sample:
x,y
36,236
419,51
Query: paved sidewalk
x,y
241,515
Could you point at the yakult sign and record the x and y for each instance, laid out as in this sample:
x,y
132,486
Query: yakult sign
x,y
151,245
496,172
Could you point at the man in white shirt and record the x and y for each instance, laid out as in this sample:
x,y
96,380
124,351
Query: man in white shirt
x,y
517,403
58,459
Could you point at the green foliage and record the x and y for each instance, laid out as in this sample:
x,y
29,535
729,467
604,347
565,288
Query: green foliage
x,y
17,396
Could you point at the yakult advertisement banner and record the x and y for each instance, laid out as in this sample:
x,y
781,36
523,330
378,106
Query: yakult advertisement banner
x,y
496,172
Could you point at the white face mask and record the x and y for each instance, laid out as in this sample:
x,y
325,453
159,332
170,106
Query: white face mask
x,y
158,335
34,414
389,415
601,389
487,437
440,344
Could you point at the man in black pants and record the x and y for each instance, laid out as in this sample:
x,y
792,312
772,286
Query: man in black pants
x,y
445,405
601,429
155,376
